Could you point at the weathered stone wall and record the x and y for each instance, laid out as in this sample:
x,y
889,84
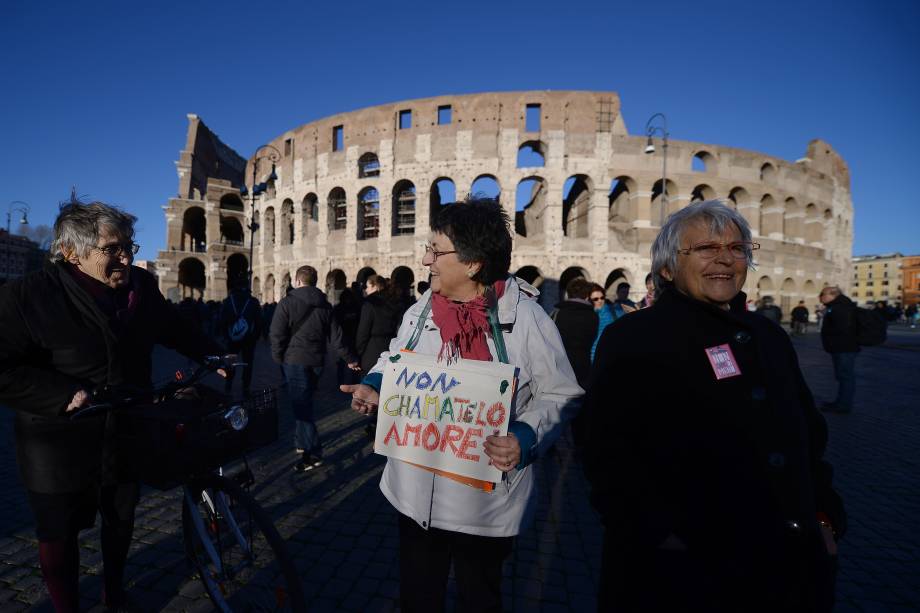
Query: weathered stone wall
x,y
801,212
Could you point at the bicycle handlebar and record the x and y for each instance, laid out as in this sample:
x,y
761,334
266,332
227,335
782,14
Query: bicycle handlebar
x,y
111,397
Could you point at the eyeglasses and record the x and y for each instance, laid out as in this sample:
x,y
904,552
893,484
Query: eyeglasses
x,y
435,254
598,299
739,250
128,249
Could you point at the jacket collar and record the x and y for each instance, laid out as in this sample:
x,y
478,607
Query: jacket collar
x,y
672,298
516,290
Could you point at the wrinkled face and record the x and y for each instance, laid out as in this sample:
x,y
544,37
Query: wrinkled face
x,y
113,271
597,299
449,276
716,280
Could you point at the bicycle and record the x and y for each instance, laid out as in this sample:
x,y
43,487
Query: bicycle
x,y
165,439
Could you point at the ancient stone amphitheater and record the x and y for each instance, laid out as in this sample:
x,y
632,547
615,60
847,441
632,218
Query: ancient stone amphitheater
x,y
353,194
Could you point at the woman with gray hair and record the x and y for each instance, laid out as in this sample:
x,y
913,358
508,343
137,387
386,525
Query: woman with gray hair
x,y
713,491
88,319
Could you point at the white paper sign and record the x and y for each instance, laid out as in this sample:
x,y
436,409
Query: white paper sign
x,y
439,416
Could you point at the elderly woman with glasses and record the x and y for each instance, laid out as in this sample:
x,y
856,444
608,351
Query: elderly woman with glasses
x,y
713,490
88,319
472,298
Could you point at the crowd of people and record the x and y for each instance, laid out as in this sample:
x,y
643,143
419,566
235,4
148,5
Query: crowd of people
x,y
701,441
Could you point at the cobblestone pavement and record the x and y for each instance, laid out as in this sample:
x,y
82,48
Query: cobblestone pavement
x,y
342,532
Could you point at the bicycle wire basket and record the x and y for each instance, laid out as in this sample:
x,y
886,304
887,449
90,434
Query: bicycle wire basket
x,y
166,443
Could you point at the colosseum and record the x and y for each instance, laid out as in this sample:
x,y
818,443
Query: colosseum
x,y
353,194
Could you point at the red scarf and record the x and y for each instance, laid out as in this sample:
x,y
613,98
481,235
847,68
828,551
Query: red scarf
x,y
464,325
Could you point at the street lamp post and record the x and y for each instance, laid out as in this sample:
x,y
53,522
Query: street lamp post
x,y
269,153
17,206
662,129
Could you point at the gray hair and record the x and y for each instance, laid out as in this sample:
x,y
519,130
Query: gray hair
x,y
79,224
719,216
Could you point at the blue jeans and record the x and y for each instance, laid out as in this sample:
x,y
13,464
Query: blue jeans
x,y
302,383
845,373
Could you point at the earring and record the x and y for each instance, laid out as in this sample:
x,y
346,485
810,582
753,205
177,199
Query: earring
x,y
470,274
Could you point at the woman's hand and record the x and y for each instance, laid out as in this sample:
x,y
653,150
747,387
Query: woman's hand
x,y
364,398
505,451
79,400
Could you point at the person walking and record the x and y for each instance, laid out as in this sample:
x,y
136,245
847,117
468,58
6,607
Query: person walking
x,y
800,319
302,330
240,325
712,488
769,310
839,338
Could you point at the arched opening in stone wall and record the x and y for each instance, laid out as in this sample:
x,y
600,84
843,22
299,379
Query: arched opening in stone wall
x,y
368,165
336,282
269,227
338,208
257,289
568,275
231,231
702,192
363,274
192,279
529,207
368,213
764,287
658,212
193,230
287,222
486,186
616,276
404,278
738,196
309,214
269,291
531,155
810,293
286,285
787,295
703,161
237,270
814,227
621,190
828,230
768,173
576,198
771,217
794,220
231,202
403,208
443,191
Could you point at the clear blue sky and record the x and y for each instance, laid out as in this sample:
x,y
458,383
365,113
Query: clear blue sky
x,y
95,94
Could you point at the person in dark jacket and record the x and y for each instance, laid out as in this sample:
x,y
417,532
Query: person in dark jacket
x,y
88,319
381,314
799,317
769,310
302,329
237,307
838,336
577,323
712,490
347,314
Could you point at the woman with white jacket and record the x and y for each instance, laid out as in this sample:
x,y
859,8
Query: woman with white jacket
x,y
471,299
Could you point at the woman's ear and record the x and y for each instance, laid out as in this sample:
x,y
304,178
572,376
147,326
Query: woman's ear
x,y
664,272
70,255
473,270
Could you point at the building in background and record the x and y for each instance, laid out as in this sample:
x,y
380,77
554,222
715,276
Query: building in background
x,y
148,265
18,256
355,192
877,277
910,280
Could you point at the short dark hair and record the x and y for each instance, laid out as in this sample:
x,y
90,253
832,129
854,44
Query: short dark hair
x,y
622,285
579,288
307,275
478,228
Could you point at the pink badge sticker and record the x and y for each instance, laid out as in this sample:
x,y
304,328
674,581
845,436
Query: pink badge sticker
x,y
723,361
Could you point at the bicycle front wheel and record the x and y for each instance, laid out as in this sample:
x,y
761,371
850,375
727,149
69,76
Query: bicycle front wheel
x,y
238,553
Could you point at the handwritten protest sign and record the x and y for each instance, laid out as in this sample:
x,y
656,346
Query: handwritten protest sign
x,y
438,416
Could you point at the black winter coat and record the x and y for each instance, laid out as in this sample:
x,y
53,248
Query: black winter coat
x,y
380,319
732,467
577,323
303,327
838,332
55,340
240,303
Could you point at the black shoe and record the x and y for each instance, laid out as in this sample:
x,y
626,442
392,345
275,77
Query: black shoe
x,y
308,463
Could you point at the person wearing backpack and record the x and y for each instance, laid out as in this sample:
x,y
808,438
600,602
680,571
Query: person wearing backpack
x,y
839,336
302,329
240,324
